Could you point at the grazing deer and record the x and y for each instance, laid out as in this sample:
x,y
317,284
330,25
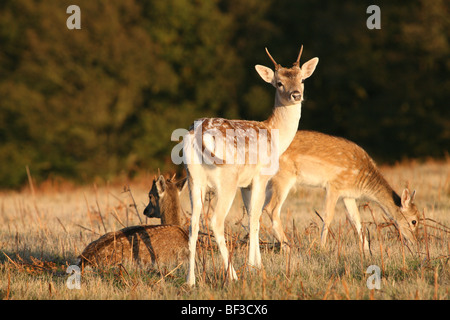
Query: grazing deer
x,y
146,243
224,175
346,171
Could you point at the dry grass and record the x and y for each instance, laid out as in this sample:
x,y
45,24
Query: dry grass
x,y
42,232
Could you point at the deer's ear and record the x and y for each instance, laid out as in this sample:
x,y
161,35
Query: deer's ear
x,y
265,73
181,184
407,198
309,67
161,185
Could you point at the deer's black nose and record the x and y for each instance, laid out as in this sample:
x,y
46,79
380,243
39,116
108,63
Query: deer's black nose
x,y
296,95
147,211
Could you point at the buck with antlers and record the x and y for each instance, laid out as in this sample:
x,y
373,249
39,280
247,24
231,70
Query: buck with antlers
x,y
346,171
228,154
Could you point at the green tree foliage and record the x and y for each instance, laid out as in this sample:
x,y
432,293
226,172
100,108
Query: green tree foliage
x,y
105,99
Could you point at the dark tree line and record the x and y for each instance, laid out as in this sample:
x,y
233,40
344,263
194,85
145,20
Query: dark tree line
x,y
104,100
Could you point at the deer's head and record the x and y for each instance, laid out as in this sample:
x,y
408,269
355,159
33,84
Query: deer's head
x,y
289,82
164,199
409,216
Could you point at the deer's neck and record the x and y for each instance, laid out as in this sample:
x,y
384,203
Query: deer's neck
x,y
285,119
386,197
391,205
171,210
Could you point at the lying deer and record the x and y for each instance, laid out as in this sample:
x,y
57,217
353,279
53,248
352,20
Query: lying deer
x,y
146,243
164,201
345,171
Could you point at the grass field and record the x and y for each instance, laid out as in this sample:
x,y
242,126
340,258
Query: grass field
x,y
43,229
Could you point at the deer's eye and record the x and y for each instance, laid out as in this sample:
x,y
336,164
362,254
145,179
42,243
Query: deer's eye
x,y
414,222
279,84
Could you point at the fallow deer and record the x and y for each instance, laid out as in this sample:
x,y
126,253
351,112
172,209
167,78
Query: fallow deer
x,y
225,175
346,171
146,243
164,201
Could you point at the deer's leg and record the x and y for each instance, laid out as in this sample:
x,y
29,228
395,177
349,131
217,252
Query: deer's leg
x,y
331,198
256,204
196,194
355,218
223,205
277,191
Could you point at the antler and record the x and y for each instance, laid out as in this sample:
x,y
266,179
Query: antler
x,y
277,66
297,63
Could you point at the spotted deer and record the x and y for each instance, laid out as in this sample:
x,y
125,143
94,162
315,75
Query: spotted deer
x,y
145,244
345,171
209,168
